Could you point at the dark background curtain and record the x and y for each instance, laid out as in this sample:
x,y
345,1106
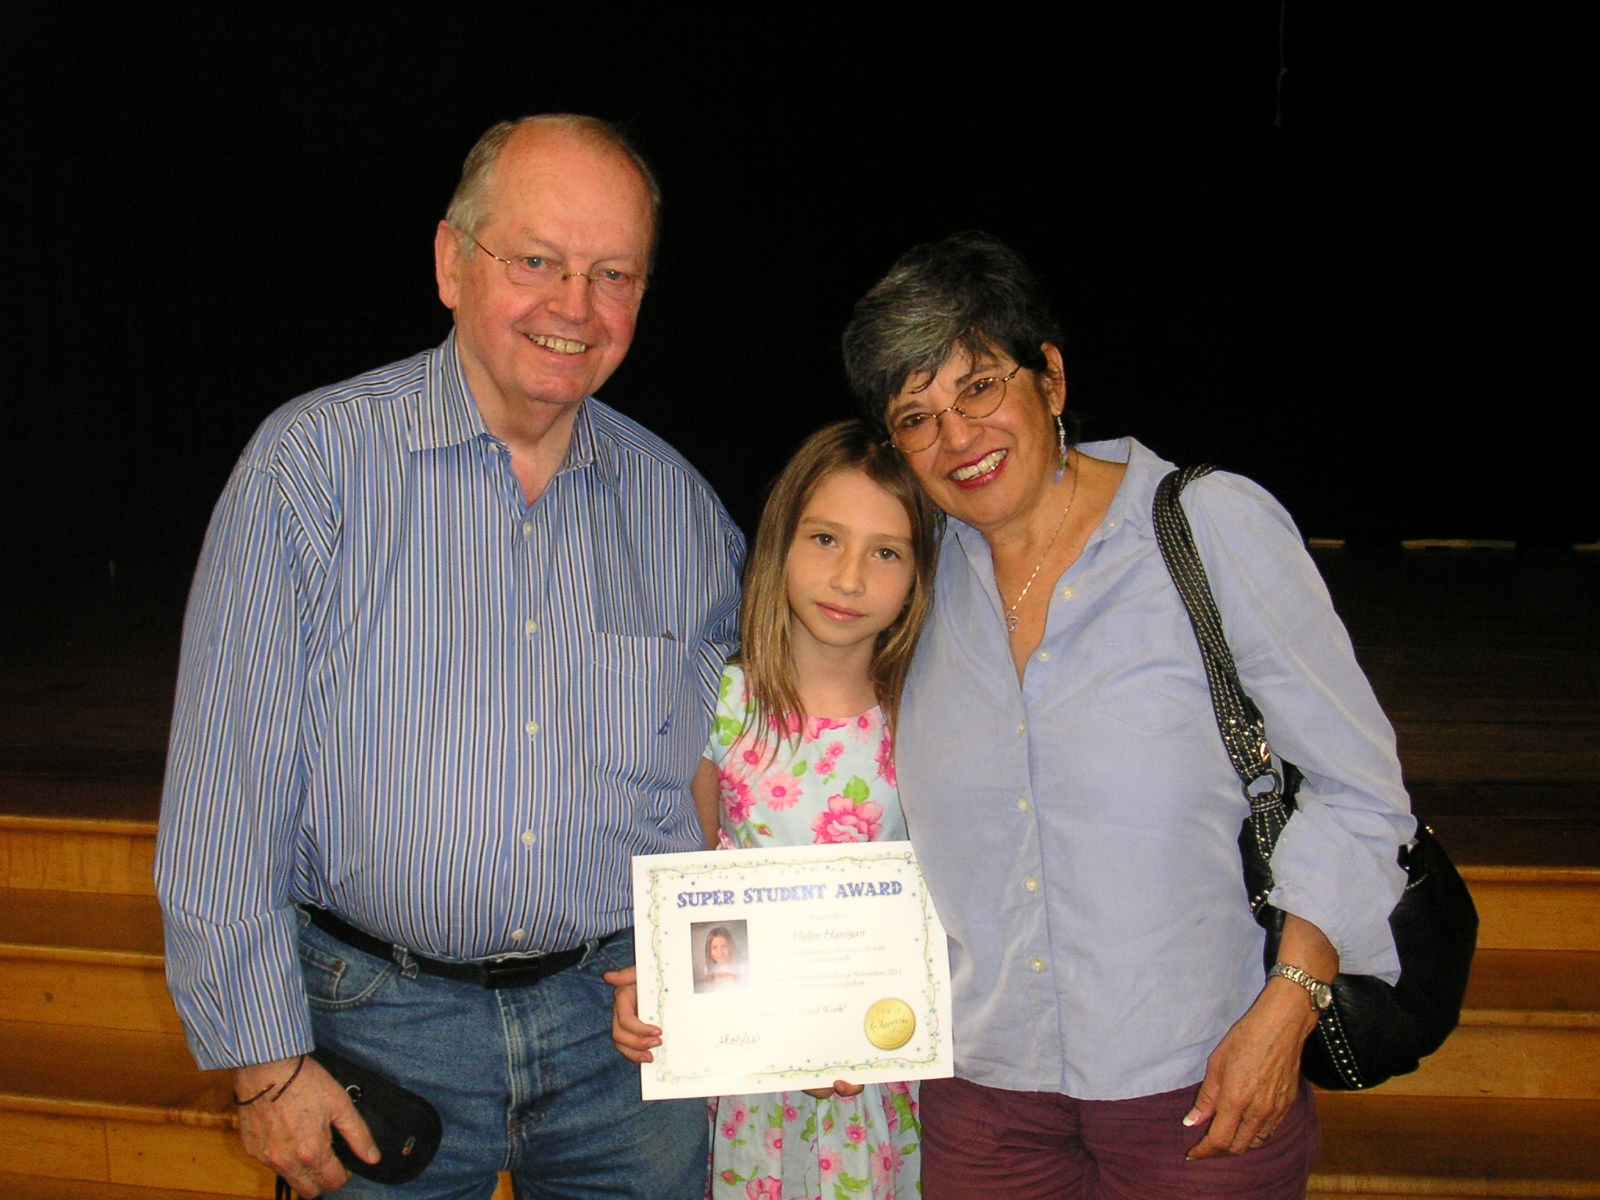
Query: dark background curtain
x,y
1311,276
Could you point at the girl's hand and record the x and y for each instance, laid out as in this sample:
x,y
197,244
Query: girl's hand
x,y
839,1088
631,1036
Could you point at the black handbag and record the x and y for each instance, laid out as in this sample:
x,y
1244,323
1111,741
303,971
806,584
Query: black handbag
x,y
405,1126
1372,1031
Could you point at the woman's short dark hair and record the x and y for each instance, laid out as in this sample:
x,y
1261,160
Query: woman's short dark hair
x,y
969,291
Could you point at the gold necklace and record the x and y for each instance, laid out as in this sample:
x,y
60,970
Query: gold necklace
x,y
1011,613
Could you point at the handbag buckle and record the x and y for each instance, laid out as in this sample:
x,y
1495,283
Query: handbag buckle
x,y
1264,799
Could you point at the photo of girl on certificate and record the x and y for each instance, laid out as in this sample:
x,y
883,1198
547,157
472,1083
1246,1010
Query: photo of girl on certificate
x,y
724,959
801,752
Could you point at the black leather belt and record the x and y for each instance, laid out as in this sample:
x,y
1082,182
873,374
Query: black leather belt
x,y
490,973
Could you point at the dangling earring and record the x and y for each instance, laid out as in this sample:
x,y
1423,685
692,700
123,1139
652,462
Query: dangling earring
x,y
1061,449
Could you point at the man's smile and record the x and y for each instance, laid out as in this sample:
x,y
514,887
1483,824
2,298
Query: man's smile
x,y
557,344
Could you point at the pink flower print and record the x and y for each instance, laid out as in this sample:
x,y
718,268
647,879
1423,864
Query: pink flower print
x,y
827,1162
729,1178
751,755
846,821
790,1112
884,1161
820,726
862,726
829,762
730,1130
781,790
886,758
787,727
768,1188
774,1140
856,1132
740,1116
827,1124
736,798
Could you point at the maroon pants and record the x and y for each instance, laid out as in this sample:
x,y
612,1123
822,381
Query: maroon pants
x,y
981,1143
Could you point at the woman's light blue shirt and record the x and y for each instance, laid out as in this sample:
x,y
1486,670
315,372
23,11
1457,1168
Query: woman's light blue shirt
x,y
1079,831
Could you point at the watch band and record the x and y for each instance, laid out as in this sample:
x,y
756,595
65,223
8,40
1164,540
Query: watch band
x,y
1319,993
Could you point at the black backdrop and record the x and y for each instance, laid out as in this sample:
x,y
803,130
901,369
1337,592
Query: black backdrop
x,y
1292,275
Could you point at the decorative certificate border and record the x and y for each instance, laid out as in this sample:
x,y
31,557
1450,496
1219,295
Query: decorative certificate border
x,y
660,879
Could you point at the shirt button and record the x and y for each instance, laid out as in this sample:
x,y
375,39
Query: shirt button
x,y
532,627
1031,884
532,727
1022,804
1038,966
1066,593
1022,729
517,935
527,838
1044,656
527,528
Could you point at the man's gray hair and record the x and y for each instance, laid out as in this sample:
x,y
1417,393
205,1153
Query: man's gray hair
x,y
468,210
968,292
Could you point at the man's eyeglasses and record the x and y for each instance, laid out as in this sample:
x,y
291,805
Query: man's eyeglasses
x,y
542,271
914,430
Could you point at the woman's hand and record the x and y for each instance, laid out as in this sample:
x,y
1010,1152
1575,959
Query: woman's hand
x,y
839,1088
1253,1076
631,1036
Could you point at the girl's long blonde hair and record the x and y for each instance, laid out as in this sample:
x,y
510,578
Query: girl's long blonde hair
x,y
766,654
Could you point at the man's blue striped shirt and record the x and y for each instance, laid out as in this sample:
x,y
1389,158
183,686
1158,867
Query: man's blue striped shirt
x,y
411,698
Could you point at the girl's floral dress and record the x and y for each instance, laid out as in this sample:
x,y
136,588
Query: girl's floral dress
x,y
834,784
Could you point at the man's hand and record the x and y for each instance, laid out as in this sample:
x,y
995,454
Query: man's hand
x,y
287,1129
632,1037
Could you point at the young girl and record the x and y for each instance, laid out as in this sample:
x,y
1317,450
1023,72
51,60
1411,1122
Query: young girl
x,y
836,590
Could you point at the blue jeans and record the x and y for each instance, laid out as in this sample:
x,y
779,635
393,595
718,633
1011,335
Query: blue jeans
x,y
525,1079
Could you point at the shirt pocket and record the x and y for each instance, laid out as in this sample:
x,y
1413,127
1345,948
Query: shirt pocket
x,y
638,691
1148,678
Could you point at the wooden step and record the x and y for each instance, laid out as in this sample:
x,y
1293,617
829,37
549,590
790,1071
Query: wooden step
x,y
1534,908
78,835
118,1106
37,1187
73,958
1530,1029
113,1107
1376,1144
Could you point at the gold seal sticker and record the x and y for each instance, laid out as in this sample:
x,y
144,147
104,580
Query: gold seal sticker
x,y
890,1024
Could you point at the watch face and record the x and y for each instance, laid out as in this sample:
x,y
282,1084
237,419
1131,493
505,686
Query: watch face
x,y
1322,995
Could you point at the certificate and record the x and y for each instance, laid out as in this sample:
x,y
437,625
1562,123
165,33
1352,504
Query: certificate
x,y
790,967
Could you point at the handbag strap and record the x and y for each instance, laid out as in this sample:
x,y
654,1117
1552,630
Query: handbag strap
x,y
1239,721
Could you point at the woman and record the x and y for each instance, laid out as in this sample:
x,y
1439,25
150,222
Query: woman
x,y
1076,816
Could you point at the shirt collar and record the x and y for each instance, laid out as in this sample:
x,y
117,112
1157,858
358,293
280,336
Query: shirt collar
x,y
590,447
1131,505
444,414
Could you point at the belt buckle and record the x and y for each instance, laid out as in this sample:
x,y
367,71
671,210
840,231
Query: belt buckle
x,y
510,972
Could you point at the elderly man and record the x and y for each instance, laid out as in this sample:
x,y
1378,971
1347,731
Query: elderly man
x,y
448,664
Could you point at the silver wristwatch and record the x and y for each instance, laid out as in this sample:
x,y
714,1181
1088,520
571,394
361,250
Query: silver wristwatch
x,y
1320,993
